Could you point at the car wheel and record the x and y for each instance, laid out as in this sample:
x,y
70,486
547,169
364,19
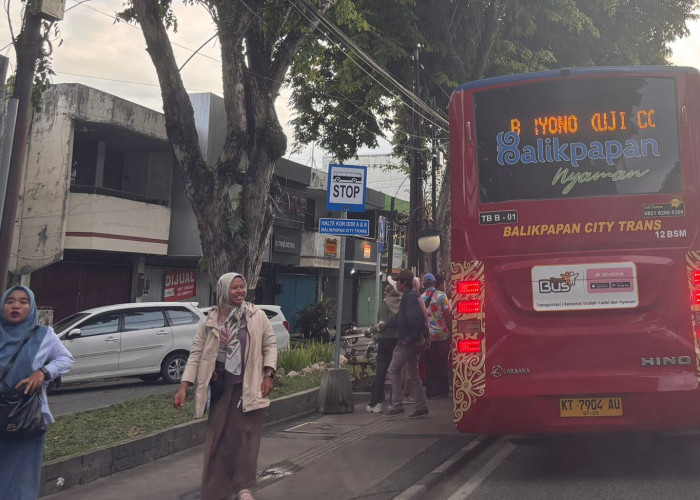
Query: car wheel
x,y
150,377
173,367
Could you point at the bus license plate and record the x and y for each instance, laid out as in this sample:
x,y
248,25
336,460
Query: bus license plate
x,y
590,407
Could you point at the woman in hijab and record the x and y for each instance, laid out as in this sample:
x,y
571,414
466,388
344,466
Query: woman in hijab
x,y
41,359
234,351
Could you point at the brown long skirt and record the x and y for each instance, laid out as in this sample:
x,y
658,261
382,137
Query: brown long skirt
x,y
231,446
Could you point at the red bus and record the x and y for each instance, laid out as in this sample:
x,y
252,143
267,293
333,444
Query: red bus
x,y
575,253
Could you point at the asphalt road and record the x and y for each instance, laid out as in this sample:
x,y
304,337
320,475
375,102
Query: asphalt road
x,y
90,395
603,466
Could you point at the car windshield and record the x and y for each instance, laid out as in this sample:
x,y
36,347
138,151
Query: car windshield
x,y
65,323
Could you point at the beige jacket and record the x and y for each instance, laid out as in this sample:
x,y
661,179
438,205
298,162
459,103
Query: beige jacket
x,y
260,351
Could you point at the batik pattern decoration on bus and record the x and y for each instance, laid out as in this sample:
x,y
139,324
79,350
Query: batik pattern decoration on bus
x,y
693,263
468,343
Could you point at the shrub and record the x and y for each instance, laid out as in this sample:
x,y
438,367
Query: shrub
x,y
303,355
311,318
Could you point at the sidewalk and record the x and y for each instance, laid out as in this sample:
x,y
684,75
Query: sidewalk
x,y
356,455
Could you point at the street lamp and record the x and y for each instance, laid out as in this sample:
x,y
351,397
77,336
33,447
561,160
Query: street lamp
x,y
429,239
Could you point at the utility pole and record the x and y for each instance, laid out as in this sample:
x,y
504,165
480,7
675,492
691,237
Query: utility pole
x,y
28,43
416,186
433,207
390,238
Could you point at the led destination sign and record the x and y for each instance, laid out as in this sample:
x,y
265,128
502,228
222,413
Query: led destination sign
x,y
577,138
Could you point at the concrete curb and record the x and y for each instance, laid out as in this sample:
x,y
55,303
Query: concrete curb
x,y
63,473
420,489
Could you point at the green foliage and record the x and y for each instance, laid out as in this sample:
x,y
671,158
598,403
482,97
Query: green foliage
x,y
304,355
43,72
340,106
313,316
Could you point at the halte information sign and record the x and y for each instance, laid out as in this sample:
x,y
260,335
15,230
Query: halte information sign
x,y
347,227
347,185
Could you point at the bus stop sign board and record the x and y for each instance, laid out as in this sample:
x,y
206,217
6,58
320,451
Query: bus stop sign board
x,y
347,185
344,227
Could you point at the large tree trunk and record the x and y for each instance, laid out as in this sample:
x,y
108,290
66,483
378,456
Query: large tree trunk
x,y
229,199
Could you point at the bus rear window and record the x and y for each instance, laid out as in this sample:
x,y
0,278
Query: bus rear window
x,y
578,137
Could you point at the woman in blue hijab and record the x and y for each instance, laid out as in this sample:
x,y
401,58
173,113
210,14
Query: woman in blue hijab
x,y
40,360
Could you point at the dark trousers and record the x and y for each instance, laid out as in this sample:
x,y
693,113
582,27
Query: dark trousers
x,y
385,349
437,368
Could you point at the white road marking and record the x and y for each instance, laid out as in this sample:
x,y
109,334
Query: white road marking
x,y
475,481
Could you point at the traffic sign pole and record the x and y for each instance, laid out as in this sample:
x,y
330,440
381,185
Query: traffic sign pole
x,y
378,291
341,282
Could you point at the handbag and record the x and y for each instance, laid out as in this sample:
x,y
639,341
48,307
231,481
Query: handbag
x,y
20,414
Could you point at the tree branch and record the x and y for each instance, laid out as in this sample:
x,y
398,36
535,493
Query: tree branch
x,y
290,44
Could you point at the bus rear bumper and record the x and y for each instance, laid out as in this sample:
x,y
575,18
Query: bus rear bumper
x,y
671,410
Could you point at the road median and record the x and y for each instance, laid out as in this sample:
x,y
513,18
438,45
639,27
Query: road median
x,y
66,472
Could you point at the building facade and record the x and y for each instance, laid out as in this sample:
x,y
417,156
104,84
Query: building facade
x,y
103,216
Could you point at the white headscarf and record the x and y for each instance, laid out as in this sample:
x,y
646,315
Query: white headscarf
x,y
234,322
222,300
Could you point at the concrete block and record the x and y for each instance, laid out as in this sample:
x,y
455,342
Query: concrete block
x,y
125,456
96,465
60,475
335,394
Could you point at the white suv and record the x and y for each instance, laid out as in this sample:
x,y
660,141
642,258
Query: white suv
x,y
145,339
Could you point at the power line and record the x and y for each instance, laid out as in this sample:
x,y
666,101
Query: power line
x,y
439,117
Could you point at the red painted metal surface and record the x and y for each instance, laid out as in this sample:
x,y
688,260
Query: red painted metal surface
x,y
532,359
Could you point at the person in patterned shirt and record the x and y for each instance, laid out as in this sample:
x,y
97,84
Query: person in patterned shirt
x,y
440,327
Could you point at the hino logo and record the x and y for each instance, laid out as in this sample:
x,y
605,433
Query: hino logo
x,y
666,361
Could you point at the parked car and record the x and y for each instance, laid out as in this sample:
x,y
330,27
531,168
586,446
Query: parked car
x,y
279,324
145,339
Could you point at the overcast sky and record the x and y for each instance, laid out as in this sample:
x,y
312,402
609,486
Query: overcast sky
x,y
111,57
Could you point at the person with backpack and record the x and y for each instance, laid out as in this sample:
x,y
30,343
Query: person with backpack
x,y
386,342
410,320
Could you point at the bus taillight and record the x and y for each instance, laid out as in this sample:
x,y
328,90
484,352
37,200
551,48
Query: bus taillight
x,y
696,297
468,306
696,278
468,287
468,346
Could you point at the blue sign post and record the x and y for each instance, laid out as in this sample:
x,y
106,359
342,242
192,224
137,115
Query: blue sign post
x,y
344,227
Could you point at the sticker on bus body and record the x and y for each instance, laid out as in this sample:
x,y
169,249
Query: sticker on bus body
x,y
585,286
674,208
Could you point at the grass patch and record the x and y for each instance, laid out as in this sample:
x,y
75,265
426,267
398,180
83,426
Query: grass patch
x,y
82,432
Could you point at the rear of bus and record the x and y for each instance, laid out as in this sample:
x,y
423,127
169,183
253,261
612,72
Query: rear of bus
x,y
575,253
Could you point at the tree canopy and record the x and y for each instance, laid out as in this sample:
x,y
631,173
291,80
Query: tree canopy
x,y
341,103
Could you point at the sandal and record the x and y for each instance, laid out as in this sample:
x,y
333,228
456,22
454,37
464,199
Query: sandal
x,y
244,495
